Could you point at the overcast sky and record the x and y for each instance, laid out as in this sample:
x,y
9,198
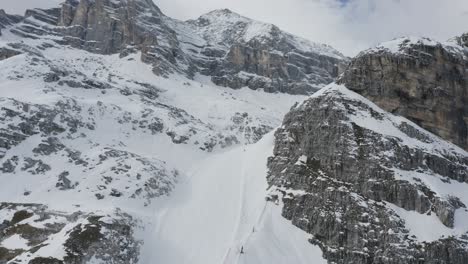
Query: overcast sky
x,y
348,25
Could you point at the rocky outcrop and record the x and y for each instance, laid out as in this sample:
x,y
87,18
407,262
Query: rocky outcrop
x,y
350,174
86,237
422,80
7,20
106,26
6,53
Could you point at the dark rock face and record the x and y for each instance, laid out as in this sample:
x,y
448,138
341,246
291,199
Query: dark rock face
x,y
254,65
341,166
424,81
104,26
7,20
7,53
108,27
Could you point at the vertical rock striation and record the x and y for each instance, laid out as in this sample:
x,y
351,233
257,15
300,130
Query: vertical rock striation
x,y
109,27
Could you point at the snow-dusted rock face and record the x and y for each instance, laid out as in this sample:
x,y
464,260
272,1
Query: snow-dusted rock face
x,y
421,79
238,51
233,50
370,186
6,20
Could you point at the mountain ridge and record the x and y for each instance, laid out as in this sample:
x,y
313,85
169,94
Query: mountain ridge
x,y
284,63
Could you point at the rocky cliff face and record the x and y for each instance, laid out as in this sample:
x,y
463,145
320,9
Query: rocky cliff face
x,y
361,180
108,27
241,52
420,79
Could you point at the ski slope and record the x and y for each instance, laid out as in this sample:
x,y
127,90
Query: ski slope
x,y
220,208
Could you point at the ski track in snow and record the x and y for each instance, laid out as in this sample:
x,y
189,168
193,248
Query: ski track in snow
x,y
220,208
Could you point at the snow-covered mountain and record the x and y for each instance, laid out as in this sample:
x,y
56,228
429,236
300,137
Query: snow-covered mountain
x,y
127,136
108,120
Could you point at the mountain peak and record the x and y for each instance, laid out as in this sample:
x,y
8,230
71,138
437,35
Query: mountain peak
x,y
221,16
223,12
224,26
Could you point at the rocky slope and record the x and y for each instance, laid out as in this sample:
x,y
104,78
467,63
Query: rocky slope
x,y
371,187
420,79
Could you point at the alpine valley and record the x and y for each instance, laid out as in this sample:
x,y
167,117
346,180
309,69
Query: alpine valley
x,y
128,137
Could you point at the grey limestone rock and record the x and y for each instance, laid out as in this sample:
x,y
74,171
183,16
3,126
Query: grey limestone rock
x,y
337,178
423,80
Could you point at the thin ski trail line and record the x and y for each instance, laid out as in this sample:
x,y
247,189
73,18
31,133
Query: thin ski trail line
x,y
237,241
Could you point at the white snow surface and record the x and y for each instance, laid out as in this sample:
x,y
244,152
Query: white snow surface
x,y
15,242
220,208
